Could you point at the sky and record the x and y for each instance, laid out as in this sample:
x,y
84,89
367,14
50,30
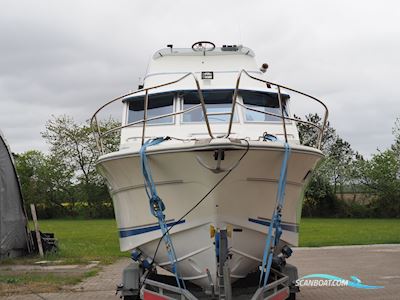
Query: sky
x,y
69,57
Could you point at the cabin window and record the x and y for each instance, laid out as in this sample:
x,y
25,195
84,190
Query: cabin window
x,y
216,101
267,102
159,104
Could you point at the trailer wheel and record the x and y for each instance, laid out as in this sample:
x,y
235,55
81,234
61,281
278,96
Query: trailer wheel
x,y
131,297
292,296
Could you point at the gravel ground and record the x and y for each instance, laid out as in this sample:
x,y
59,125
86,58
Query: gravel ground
x,y
374,265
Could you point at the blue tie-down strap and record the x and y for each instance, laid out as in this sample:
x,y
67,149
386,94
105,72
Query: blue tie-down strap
x,y
275,230
150,187
157,206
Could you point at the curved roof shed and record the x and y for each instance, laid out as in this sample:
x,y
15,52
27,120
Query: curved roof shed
x,y
13,221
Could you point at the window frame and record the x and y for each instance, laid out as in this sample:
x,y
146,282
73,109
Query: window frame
x,y
244,110
181,100
173,121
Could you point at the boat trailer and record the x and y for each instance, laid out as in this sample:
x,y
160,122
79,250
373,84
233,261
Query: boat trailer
x,y
141,281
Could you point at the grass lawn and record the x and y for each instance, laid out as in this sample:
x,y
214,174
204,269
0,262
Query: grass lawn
x,y
331,232
85,240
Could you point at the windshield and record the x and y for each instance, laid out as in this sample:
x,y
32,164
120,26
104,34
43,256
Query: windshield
x,y
267,102
217,101
159,104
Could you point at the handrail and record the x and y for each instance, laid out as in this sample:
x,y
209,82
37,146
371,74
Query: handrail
x,y
94,124
278,116
94,117
282,113
282,116
150,119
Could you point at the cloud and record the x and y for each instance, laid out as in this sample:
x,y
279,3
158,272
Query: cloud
x,y
68,57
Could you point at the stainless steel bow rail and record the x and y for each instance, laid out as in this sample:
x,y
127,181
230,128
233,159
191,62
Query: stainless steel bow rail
x,y
100,134
282,115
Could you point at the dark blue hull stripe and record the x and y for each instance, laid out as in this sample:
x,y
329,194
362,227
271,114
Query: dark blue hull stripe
x,y
284,226
141,230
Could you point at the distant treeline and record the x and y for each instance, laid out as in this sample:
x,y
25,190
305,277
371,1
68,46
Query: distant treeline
x,y
344,170
65,182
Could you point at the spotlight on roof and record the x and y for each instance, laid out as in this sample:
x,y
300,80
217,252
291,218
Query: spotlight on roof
x,y
264,67
170,46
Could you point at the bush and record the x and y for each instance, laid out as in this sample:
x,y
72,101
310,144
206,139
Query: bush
x,y
319,198
81,210
354,209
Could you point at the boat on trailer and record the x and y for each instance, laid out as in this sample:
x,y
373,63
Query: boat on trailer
x,y
225,136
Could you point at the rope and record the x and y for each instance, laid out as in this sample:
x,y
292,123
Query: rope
x,y
157,206
275,225
201,200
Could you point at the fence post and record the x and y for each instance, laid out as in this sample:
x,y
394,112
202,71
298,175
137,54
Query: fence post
x,y
35,222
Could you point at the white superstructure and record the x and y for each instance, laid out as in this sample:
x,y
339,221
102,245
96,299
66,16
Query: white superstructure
x,y
222,116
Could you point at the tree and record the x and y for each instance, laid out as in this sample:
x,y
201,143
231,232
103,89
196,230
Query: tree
x,y
333,172
73,146
396,132
339,159
30,167
44,182
308,134
338,152
319,197
380,175
342,167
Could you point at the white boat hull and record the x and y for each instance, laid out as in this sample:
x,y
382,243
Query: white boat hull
x,y
243,203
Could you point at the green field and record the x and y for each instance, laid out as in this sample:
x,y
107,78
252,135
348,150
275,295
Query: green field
x,y
84,240
332,232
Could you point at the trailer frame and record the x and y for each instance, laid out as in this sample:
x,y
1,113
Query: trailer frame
x,y
141,282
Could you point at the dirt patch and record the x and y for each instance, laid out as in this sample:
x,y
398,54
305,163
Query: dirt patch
x,y
9,289
24,279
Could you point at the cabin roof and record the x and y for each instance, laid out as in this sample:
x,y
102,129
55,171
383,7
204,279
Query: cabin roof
x,y
218,51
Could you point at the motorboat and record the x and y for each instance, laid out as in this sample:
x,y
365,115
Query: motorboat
x,y
228,128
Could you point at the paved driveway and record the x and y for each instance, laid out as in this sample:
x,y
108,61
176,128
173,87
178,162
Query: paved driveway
x,y
374,265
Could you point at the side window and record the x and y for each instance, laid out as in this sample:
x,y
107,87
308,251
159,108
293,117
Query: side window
x,y
159,104
267,102
216,102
